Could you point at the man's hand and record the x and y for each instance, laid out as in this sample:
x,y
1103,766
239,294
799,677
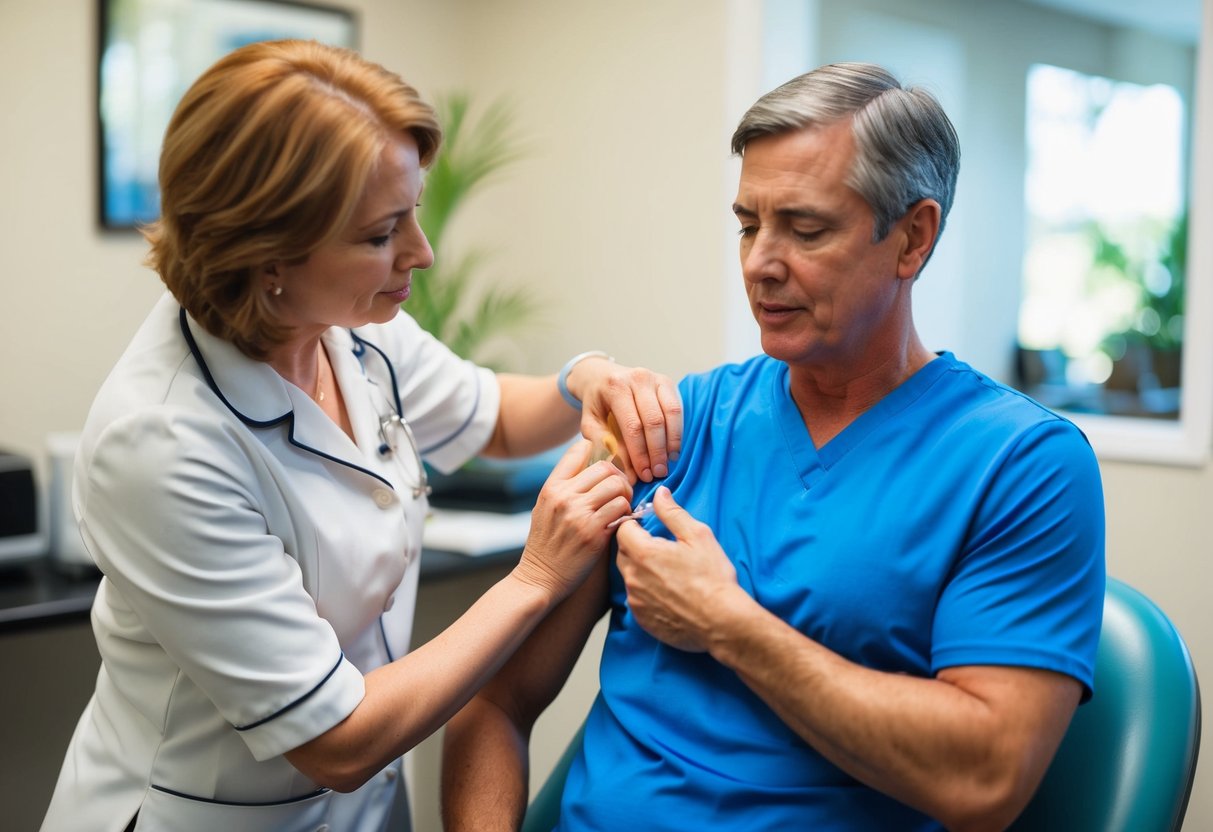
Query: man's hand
x,y
676,588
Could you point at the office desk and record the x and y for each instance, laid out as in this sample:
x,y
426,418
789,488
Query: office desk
x,y
37,594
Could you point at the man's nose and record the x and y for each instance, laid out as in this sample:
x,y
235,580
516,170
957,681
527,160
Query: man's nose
x,y
763,259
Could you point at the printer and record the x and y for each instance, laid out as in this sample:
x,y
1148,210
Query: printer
x,y
22,516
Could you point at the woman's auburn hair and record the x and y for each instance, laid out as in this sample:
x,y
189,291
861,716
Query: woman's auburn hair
x,y
263,161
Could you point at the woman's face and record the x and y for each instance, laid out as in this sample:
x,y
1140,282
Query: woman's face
x,y
364,274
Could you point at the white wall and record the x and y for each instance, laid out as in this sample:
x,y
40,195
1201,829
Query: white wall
x,y
621,217
616,212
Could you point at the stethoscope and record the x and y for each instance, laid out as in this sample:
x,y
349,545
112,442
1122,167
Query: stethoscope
x,y
392,425
387,447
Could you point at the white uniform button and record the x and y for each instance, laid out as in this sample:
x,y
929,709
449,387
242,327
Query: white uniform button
x,y
391,774
391,602
324,827
384,498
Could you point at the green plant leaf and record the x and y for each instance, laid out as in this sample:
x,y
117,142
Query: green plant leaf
x,y
452,300
471,153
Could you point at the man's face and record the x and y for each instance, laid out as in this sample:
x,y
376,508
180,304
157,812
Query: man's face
x,y
821,290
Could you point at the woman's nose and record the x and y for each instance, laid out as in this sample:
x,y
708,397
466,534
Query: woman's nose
x,y
416,252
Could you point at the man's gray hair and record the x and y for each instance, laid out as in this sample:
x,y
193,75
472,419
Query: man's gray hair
x,y
906,148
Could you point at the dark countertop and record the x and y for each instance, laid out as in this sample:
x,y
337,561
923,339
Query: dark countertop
x,y
39,594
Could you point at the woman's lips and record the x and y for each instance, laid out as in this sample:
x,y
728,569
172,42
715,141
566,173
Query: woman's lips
x,y
402,294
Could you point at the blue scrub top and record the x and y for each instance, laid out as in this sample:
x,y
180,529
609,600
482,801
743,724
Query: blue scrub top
x,y
956,522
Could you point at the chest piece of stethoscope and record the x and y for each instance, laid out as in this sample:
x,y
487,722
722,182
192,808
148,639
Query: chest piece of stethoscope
x,y
392,426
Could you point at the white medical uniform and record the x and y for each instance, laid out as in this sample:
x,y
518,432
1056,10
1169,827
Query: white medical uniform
x,y
256,564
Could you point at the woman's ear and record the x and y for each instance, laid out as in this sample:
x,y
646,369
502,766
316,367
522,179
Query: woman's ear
x,y
921,227
270,279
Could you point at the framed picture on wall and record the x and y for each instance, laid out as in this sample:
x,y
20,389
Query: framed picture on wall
x,y
149,53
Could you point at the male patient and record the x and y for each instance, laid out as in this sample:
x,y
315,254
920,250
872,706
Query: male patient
x,y
871,593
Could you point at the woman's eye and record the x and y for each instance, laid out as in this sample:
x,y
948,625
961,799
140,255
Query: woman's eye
x,y
808,236
747,231
383,240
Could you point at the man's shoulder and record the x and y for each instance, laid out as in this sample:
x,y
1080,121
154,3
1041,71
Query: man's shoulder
x,y
996,397
736,375
987,409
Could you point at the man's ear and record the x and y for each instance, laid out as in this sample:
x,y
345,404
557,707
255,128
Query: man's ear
x,y
921,228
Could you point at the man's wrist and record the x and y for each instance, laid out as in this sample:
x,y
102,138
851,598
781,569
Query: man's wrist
x,y
562,380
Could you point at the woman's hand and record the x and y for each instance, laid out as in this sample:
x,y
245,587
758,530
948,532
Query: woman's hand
x,y
569,522
646,407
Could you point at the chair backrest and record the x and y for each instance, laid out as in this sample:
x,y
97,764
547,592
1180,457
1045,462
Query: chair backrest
x,y
544,811
1127,761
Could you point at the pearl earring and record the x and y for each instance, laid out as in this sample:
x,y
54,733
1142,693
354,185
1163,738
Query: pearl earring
x,y
275,290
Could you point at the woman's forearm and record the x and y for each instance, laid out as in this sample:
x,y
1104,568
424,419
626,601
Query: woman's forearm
x,y
533,417
410,698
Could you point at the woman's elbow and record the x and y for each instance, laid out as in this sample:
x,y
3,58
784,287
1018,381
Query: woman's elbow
x,y
330,769
345,781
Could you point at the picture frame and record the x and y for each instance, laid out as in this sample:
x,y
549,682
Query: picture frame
x,y
149,53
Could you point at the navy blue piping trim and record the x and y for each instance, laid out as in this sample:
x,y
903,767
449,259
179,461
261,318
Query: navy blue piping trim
x,y
288,417
286,802
360,347
461,428
298,701
387,648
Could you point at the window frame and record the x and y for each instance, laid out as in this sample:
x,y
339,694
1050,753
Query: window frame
x,y
1183,441
1187,440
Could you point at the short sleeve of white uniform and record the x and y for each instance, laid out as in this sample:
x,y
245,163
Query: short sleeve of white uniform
x,y
169,506
451,404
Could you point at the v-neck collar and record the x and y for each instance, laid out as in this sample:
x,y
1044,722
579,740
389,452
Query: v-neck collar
x,y
261,398
813,463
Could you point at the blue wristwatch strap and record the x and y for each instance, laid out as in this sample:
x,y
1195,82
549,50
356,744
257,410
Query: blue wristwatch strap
x,y
562,380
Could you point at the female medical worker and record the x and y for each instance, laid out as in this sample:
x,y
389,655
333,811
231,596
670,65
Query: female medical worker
x,y
250,481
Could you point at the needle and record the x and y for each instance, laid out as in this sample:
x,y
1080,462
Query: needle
x,y
642,510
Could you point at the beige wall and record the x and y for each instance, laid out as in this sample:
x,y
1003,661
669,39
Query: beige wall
x,y
619,216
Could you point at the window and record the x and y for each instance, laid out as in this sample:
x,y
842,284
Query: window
x,y
1101,313
1141,65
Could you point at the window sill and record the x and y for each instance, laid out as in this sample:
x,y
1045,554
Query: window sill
x,y
1183,442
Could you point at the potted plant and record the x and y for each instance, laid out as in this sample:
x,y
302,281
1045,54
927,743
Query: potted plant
x,y
463,312
448,301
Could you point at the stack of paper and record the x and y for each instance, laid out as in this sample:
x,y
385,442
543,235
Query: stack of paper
x,y
475,532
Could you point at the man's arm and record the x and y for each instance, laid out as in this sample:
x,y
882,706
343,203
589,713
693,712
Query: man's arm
x,y
485,750
968,747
